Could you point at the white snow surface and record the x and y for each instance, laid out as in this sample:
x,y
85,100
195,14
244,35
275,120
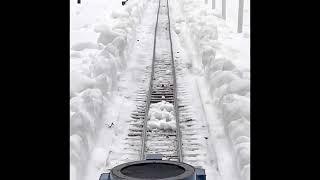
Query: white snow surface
x,y
102,35
161,116
221,59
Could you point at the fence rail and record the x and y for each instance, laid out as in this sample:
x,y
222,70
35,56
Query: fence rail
x,y
238,4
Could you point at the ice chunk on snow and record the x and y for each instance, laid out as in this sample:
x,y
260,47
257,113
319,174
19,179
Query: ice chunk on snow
x,y
76,122
248,94
102,65
79,82
106,34
119,42
211,32
99,157
84,45
241,139
219,78
103,82
244,157
157,114
93,101
77,149
166,115
239,128
73,172
75,144
208,56
86,108
228,66
163,124
241,146
239,86
179,19
152,124
245,172
161,116
221,64
172,125
119,14
111,49
235,107
75,55
161,106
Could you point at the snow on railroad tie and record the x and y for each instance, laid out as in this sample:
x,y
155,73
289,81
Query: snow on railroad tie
x,y
161,116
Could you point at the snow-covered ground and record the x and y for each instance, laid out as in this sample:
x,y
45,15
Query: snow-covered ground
x,y
101,35
110,46
161,116
219,59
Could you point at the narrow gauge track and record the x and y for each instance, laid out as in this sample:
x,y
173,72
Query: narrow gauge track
x,y
157,84
162,88
162,76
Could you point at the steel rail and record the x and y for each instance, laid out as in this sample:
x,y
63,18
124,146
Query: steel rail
x,y
148,100
144,137
179,150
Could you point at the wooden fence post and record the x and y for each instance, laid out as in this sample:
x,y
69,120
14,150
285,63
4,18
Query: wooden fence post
x,y
240,16
224,9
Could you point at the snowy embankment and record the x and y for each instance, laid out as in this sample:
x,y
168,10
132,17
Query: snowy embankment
x,y
223,57
100,41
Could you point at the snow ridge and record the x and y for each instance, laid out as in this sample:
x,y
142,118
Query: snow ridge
x,y
94,71
229,83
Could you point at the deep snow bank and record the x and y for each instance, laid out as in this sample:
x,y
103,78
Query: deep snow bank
x,y
224,58
101,37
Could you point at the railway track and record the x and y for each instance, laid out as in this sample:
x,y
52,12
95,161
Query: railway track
x,y
162,86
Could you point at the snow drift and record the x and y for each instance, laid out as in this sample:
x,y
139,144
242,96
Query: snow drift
x,y
217,55
100,40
